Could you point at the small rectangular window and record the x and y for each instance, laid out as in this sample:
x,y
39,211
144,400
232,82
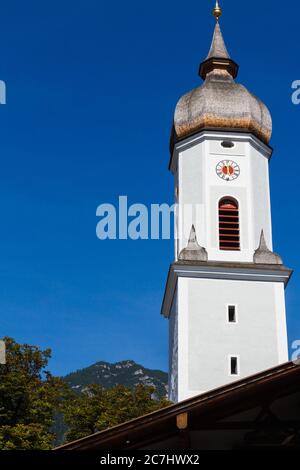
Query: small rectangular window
x,y
234,365
231,314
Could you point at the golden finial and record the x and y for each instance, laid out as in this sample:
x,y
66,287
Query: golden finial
x,y
217,11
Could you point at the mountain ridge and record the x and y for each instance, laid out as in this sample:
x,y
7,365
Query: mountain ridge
x,y
126,372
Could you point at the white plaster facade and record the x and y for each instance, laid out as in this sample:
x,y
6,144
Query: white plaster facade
x,y
205,340
199,190
197,295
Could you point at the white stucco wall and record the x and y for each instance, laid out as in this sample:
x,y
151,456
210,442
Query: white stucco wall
x,y
173,352
200,188
201,339
206,339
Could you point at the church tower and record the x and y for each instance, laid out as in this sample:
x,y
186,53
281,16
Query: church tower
x,y
224,296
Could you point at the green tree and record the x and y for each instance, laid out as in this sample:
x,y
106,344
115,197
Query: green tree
x,y
96,408
29,397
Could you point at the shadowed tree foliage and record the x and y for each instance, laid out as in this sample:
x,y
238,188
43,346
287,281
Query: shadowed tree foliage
x,y
97,408
29,397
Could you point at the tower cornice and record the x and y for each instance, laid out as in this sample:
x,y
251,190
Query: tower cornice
x,y
221,270
199,137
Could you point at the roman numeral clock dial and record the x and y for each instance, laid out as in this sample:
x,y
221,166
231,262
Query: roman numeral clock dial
x,y
228,170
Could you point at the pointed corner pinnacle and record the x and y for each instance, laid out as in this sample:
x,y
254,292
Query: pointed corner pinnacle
x,y
263,255
193,236
193,251
262,241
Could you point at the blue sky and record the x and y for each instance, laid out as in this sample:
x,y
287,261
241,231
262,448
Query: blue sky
x,y
91,89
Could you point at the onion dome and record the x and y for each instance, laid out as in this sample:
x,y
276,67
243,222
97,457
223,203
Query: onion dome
x,y
220,103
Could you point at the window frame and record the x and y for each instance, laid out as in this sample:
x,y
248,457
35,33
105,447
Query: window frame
x,y
236,202
236,313
237,357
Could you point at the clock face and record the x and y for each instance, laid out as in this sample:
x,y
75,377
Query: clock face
x,y
228,170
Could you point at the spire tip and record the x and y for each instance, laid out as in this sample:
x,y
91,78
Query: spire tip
x,y
217,11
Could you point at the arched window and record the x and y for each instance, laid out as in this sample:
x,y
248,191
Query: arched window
x,y
229,224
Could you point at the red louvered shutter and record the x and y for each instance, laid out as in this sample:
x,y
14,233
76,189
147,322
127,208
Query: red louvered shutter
x,y
229,225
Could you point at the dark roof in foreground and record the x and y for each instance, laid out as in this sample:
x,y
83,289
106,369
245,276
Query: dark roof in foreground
x,y
260,410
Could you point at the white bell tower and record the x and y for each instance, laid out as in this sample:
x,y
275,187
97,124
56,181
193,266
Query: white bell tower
x,y
224,296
